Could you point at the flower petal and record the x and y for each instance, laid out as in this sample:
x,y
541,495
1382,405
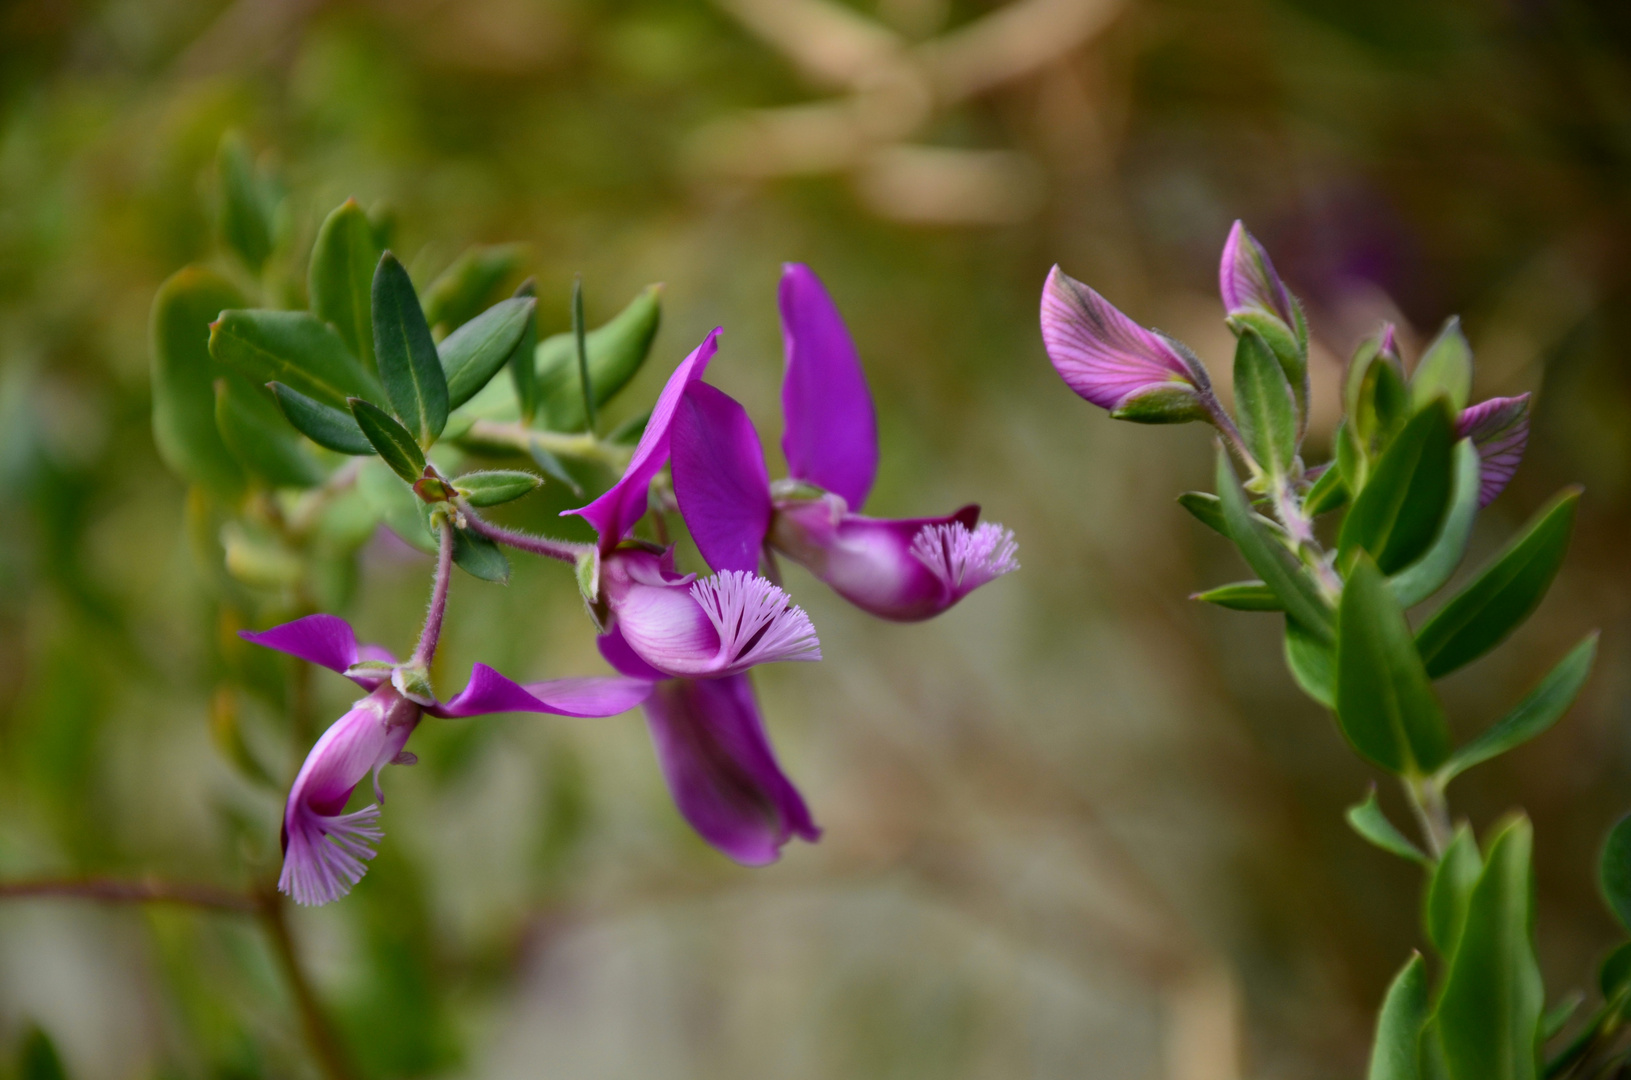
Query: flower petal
x,y
1247,280
1499,428
325,640
490,692
721,770
832,433
1102,354
615,513
720,479
623,658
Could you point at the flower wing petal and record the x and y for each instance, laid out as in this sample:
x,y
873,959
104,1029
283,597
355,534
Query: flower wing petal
x,y
1100,353
325,640
831,439
490,692
1499,429
720,479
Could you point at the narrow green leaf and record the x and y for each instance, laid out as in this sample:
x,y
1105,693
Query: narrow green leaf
x,y
1351,460
1489,1011
1404,501
184,379
293,348
1289,351
480,557
470,283
523,361
1312,663
1537,712
393,442
1444,370
1614,976
1557,1017
341,275
475,352
580,350
616,351
1614,871
255,432
322,424
1450,889
37,1057
1367,819
491,487
408,364
1384,405
246,210
1396,1053
1278,568
1265,406
1427,575
1385,703
1242,596
1328,493
1206,509
1503,595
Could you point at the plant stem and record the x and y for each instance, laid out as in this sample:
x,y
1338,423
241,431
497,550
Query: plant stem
x,y
518,437
564,550
325,1044
583,355
425,651
1432,812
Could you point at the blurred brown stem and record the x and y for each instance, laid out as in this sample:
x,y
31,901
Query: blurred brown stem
x,y
266,905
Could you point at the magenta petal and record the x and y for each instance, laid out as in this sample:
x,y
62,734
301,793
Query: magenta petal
x,y
720,479
1100,353
325,640
1499,429
831,439
490,692
1247,280
902,569
615,513
721,770
624,660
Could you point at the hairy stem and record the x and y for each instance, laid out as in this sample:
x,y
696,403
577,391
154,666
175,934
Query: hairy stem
x,y
425,651
564,550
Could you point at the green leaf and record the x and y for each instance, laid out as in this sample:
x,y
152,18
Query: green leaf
x,y
1449,891
1396,1053
1385,703
408,364
37,1058
246,204
491,487
1241,596
1404,501
1265,406
1367,819
1537,712
470,283
1328,493
293,348
1490,1007
322,424
1427,575
1614,976
1444,370
391,440
340,278
1278,568
255,432
1290,351
480,557
473,353
1312,663
1503,595
1351,461
1552,1024
523,361
616,351
1614,871
1206,509
184,379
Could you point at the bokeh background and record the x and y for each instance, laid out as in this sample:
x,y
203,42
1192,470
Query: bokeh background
x,y
1078,826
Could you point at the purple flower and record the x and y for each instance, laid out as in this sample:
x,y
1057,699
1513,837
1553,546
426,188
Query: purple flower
x,y
1247,281
325,849
897,569
1116,364
1499,429
717,761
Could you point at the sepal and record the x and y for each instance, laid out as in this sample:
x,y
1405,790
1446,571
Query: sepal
x,y
1171,403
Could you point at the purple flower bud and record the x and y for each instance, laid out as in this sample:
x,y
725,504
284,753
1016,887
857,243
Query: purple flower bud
x,y
1112,361
1499,429
717,760
1247,280
716,626
903,570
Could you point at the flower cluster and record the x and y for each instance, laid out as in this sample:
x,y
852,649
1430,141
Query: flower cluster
x,y
682,644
